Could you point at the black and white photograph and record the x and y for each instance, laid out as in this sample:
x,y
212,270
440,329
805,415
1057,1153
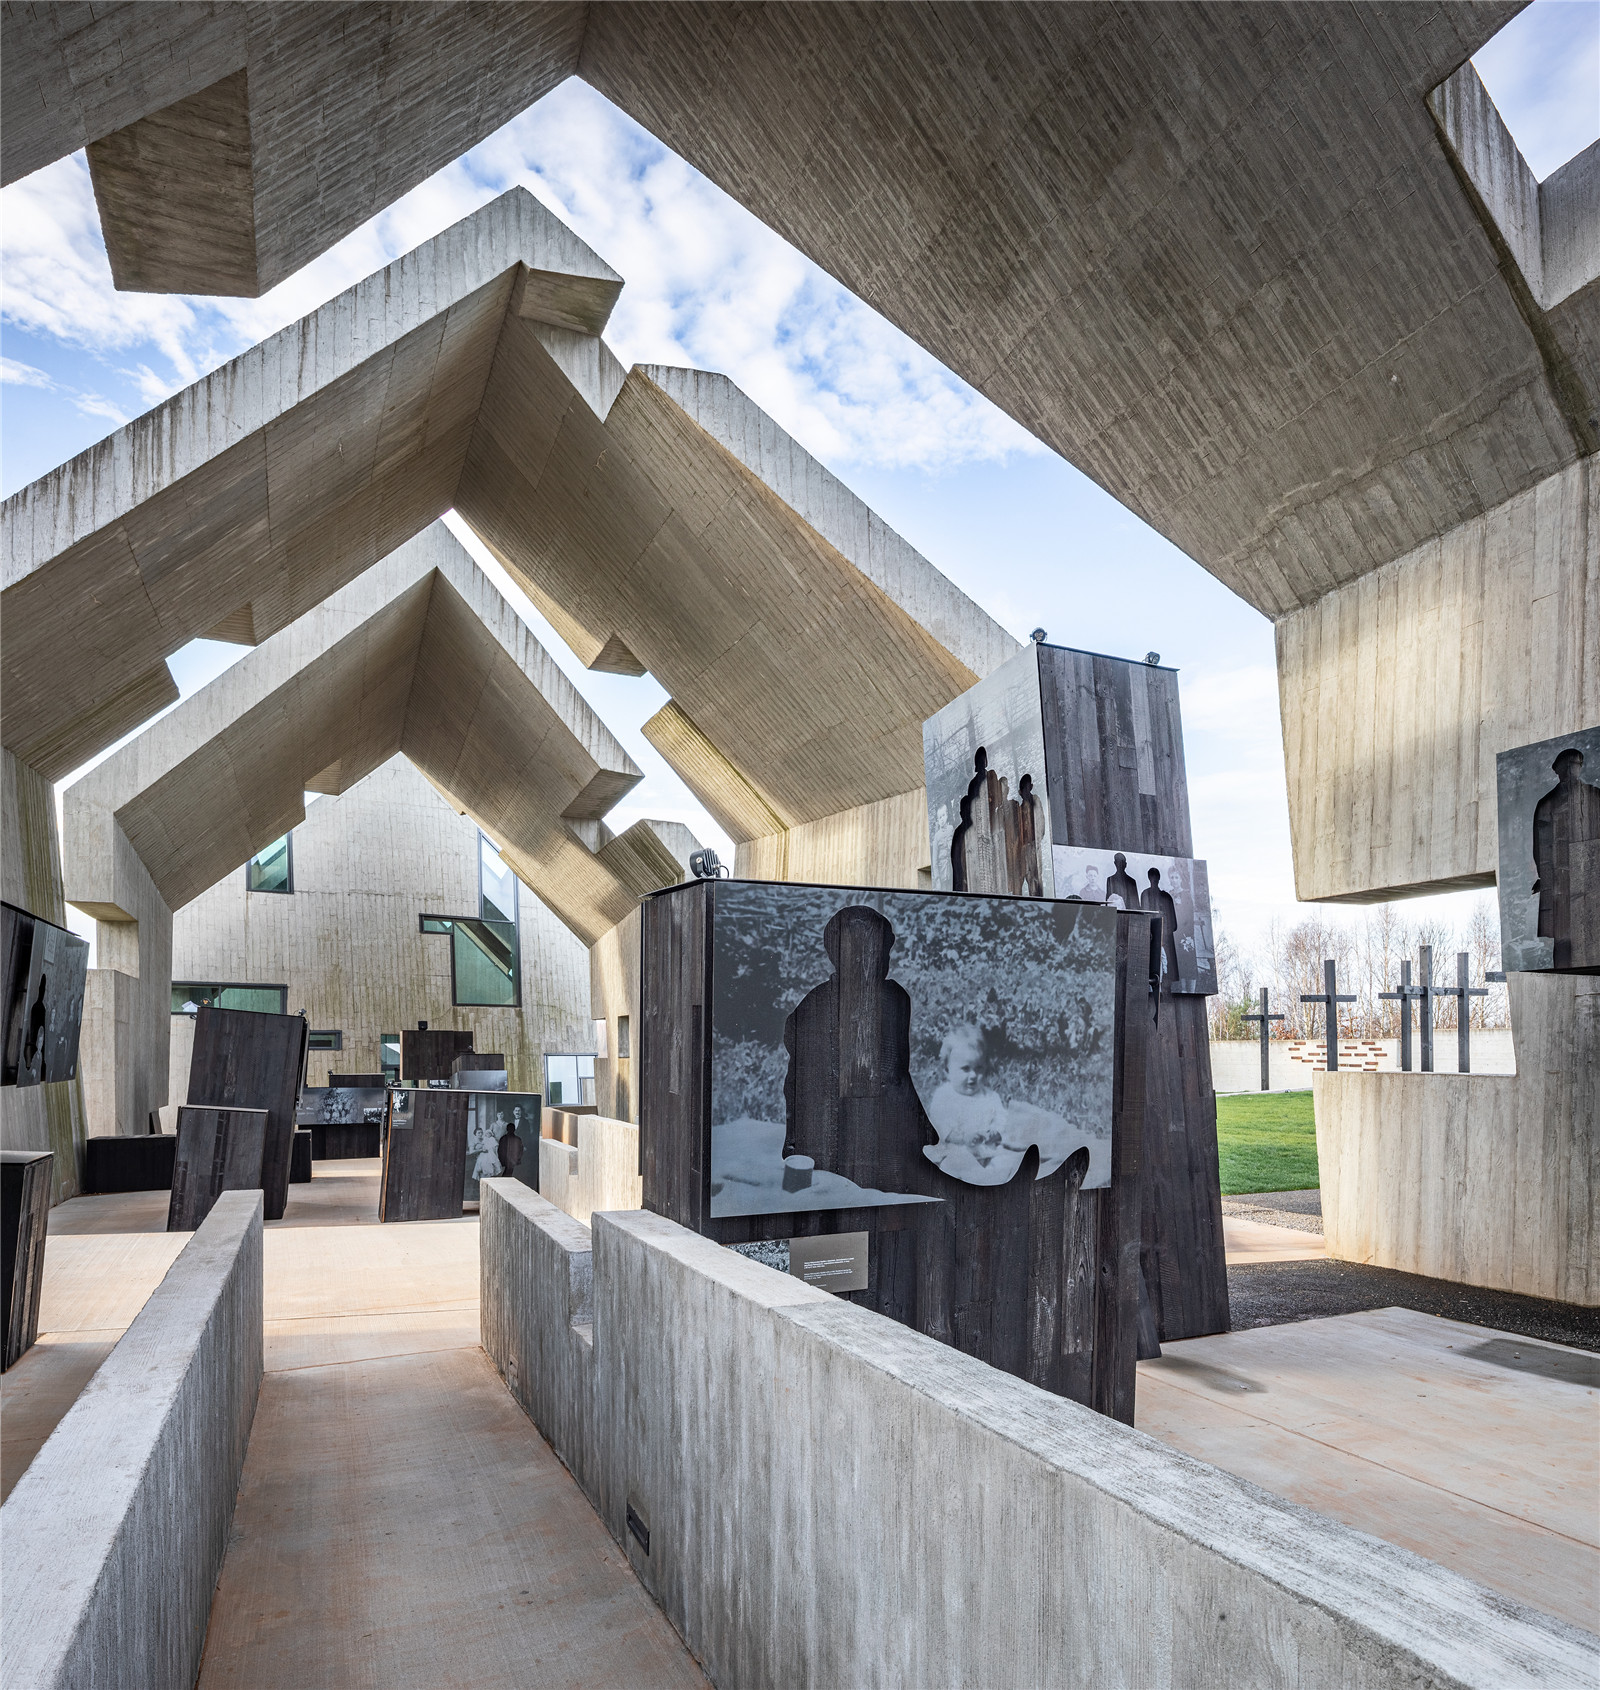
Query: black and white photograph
x,y
502,1128
869,1046
1175,888
1549,871
341,1106
983,762
46,971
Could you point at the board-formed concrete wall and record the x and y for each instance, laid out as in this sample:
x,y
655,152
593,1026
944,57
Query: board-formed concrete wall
x,y
831,1498
1480,1178
111,1542
597,1168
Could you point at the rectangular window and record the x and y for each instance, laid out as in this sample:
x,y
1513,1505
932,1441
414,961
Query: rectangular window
x,y
484,971
272,870
189,996
433,924
624,1047
568,1080
389,1056
325,1038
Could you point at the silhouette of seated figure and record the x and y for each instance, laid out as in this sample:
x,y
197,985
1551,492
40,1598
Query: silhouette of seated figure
x,y
1160,901
849,1101
1566,854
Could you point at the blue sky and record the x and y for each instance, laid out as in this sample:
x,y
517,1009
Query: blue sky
x,y
1011,523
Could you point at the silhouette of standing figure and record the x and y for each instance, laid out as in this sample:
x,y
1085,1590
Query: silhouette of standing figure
x,y
1566,853
1030,877
38,1032
848,1097
1122,884
1161,903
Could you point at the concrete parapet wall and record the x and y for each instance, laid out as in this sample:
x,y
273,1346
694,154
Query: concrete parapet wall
x,y
1236,1063
1478,1178
832,1499
112,1540
537,1318
599,1171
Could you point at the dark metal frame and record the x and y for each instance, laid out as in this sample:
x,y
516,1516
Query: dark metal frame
x,y
274,891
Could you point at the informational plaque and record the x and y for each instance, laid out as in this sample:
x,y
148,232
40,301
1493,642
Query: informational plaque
x,y
836,1262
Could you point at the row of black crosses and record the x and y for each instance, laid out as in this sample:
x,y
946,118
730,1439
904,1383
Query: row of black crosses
x,y
1424,996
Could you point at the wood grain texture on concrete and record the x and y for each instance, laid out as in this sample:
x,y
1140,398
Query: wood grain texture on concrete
x,y
1486,1179
1475,1449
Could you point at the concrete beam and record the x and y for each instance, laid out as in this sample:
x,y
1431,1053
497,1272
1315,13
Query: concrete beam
x,y
112,1540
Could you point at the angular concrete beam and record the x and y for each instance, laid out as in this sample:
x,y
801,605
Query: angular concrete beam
x,y
231,143
418,656
276,479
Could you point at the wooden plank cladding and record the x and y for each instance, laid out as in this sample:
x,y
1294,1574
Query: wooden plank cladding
x,y
851,1044
218,1150
24,1218
245,1059
424,1156
1054,759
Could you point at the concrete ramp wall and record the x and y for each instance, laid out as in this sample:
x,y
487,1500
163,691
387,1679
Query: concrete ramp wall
x,y
590,1162
817,1496
111,1542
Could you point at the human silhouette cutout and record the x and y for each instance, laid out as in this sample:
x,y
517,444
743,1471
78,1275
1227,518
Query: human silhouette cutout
x,y
509,1151
995,847
849,1101
1029,879
1122,884
38,1032
1161,903
1566,854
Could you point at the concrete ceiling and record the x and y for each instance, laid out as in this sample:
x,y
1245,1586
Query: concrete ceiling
x,y
419,656
659,519
1218,256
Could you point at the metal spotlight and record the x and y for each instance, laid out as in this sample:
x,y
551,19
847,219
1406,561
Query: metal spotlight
x,y
1037,636
1152,657
705,865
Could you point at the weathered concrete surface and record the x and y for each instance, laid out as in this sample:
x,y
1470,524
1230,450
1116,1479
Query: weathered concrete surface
x,y
597,1167
833,1499
1480,1178
112,1539
1469,1447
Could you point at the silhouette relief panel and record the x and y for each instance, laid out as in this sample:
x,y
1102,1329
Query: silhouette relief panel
x,y
870,1047
46,970
1175,888
1549,872
983,762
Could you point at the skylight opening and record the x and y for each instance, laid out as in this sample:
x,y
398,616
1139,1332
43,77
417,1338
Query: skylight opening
x,y
1543,74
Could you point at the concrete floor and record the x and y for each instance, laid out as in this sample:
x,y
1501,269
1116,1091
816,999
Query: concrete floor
x,y
1474,1449
1246,1241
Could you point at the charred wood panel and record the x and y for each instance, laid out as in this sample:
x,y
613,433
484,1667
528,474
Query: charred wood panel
x,y
431,1055
246,1059
218,1150
24,1222
425,1163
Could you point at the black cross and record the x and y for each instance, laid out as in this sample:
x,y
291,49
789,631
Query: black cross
x,y
1463,1018
1266,1033
1426,993
1406,993
1330,998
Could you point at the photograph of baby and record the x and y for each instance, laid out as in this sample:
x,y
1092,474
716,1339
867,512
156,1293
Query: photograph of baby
x,y
1176,888
502,1129
868,1045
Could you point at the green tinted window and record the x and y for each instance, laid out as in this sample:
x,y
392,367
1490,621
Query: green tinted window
x,y
497,885
188,996
271,870
484,962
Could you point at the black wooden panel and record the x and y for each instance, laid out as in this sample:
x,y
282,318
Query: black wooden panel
x,y
430,1055
218,1150
337,1141
358,1082
425,1163
1094,710
24,1222
140,1163
1039,1278
300,1158
245,1059
477,1062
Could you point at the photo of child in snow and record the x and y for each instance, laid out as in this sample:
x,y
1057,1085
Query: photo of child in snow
x,y
998,1012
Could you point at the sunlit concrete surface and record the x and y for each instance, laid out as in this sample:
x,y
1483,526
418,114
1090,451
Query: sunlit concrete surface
x,y
1247,1241
1475,1448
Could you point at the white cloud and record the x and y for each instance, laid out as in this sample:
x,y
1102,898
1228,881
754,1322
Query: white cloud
x,y
92,405
1543,72
23,375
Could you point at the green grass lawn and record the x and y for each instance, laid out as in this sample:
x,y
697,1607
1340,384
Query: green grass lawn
x,y
1266,1142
